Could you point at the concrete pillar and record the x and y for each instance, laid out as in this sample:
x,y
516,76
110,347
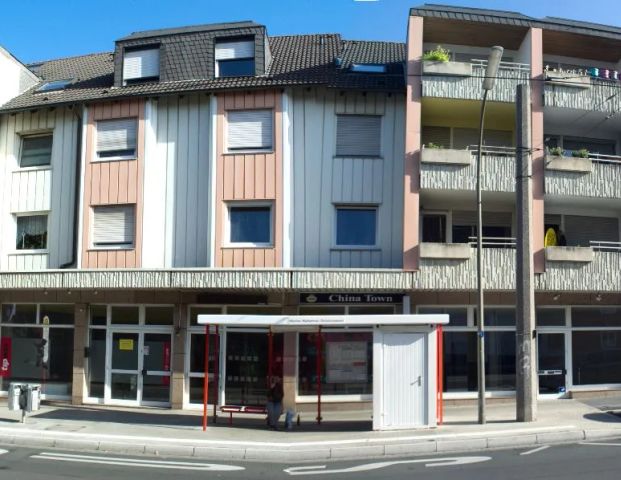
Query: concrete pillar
x,y
290,357
79,388
177,381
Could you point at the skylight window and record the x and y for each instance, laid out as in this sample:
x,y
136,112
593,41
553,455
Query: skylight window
x,y
55,85
368,68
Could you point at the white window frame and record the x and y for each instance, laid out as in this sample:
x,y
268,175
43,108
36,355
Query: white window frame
x,y
25,135
227,224
93,246
130,50
217,60
96,158
32,251
241,150
348,206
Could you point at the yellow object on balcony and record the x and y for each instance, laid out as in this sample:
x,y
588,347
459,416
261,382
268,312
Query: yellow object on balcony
x,y
550,238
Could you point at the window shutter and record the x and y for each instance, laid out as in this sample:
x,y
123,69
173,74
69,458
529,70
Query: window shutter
x,y
113,225
358,135
113,135
249,129
580,230
498,138
465,137
141,64
490,219
233,50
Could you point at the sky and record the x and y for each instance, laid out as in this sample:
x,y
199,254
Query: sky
x,y
34,30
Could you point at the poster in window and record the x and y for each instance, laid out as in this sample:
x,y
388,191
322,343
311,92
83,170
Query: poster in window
x,y
346,362
5,357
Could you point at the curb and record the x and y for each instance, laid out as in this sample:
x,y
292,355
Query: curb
x,y
293,454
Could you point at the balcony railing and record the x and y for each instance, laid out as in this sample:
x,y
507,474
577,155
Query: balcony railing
x,y
494,242
605,246
520,68
582,92
498,151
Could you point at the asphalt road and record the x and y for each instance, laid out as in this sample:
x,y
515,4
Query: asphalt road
x,y
600,461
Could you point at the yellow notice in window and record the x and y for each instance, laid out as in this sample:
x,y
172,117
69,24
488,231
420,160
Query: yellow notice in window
x,y
126,344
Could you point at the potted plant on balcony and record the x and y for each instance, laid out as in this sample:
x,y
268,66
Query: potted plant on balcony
x,y
578,162
568,78
433,145
555,151
438,62
582,153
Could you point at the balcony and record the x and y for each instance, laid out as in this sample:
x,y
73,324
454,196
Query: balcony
x,y
581,92
450,273
462,80
592,176
452,169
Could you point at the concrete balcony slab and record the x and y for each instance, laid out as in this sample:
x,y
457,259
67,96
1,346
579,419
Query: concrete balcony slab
x,y
569,254
446,156
568,164
449,251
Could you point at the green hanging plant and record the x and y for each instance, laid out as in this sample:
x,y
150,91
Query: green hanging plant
x,y
438,54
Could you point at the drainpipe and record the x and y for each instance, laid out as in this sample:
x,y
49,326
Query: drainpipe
x,y
76,200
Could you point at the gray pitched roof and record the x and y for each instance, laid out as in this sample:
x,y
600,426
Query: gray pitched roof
x,y
296,60
190,29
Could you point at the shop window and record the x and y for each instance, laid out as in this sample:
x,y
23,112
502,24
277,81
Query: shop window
x,y
125,315
57,314
96,363
196,311
31,232
596,316
99,315
550,317
371,310
346,367
321,310
596,357
498,317
36,151
356,226
158,315
19,313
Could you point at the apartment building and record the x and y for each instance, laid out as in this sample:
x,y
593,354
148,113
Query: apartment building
x,y
217,169
209,169
571,68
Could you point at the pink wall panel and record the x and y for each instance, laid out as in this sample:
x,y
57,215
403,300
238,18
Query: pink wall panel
x,y
115,182
249,176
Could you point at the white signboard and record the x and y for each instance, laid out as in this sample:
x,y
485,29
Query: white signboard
x,y
346,362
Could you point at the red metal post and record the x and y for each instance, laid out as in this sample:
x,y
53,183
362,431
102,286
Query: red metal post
x,y
440,373
216,371
270,355
318,366
206,379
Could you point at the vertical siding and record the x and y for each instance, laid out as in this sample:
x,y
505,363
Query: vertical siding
x,y
322,180
43,189
177,184
113,182
249,176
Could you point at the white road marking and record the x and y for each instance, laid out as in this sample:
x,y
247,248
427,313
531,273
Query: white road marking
x,y
133,462
601,444
535,450
429,462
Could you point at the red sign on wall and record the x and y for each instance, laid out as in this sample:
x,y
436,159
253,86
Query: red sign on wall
x,y
166,380
5,357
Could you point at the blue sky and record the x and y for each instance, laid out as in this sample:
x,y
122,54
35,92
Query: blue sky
x,y
39,30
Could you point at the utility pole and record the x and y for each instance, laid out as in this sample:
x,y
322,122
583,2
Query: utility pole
x,y
526,362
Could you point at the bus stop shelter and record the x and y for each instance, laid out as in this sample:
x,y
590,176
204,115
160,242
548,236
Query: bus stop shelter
x,y
407,360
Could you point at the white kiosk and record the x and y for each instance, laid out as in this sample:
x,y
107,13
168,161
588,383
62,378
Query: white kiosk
x,y
407,360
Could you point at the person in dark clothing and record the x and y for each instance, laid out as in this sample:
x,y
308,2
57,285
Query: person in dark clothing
x,y
274,403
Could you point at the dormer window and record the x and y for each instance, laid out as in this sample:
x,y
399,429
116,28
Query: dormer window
x,y
141,65
368,68
54,85
235,58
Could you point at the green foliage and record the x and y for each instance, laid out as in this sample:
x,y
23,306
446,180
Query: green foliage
x,y
438,54
582,153
556,151
433,145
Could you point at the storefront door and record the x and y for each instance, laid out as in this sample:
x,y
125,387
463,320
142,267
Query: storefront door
x,y
551,364
138,367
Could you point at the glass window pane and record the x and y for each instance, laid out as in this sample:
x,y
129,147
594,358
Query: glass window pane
x,y
596,357
550,317
158,315
434,228
196,311
355,226
156,388
460,361
596,316
500,361
98,314
97,363
36,151
124,386
458,316
347,366
57,314
31,232
157,352
254,310
19,313
383,310
242,67
197,353
250,224
196,390
125,315
125,351
497,317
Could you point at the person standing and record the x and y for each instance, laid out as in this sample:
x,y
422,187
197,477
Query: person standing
x,y
274,403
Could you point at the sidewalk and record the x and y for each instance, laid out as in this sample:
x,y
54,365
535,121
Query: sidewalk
x,y
342,435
